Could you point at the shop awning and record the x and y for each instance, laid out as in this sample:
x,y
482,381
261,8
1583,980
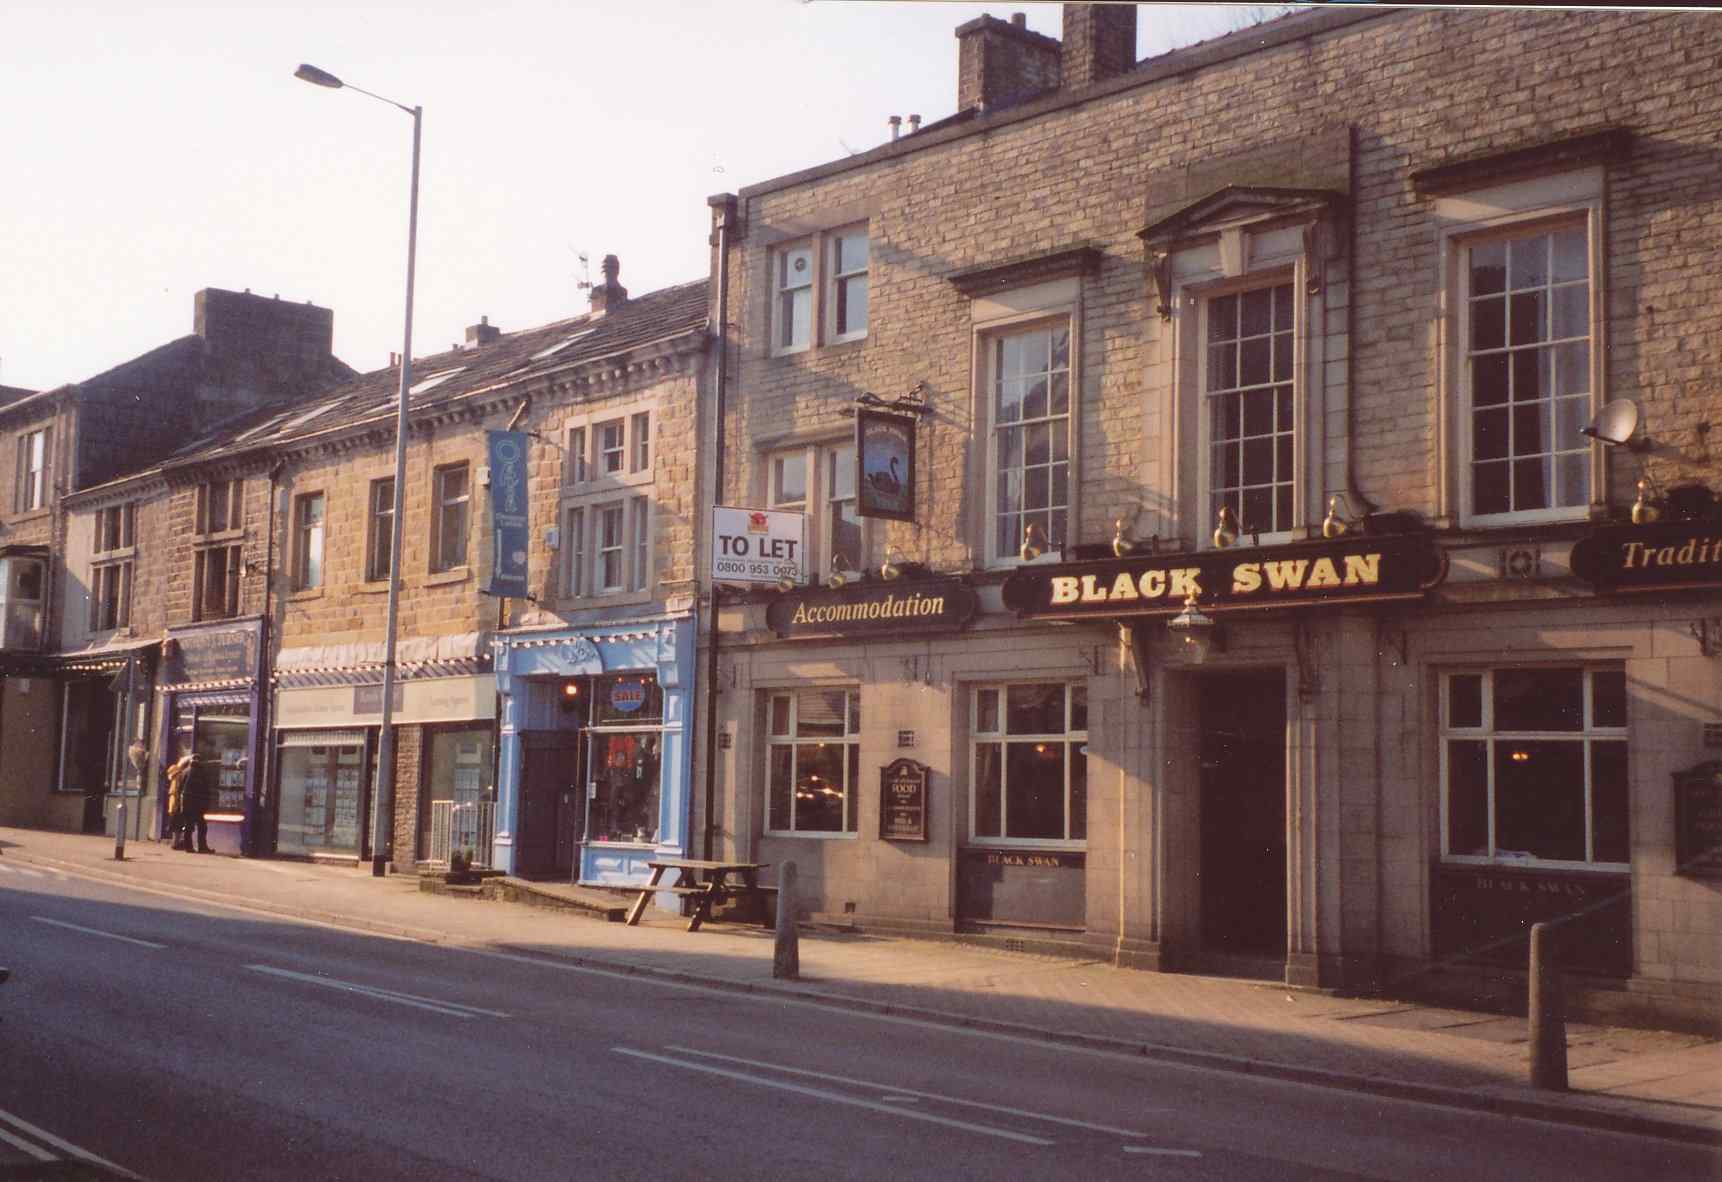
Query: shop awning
x,y
460,649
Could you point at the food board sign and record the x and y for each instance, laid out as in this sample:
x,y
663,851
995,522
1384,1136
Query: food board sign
x,y
758,545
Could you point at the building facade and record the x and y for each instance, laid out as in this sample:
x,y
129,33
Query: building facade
x,y
1209,564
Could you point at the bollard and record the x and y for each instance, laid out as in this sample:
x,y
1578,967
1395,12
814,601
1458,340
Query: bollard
x,y
1547,1012
120,831
786,954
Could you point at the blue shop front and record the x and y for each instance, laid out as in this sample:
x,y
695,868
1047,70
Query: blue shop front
x,y
595,759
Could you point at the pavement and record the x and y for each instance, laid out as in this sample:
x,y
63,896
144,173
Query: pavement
x,y
1657,1083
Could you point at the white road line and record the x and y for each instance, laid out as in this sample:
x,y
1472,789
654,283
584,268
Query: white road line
x,y
896,1093
452,1009
30,1147
836,1097
63,1146
21,870
60,923
1162,1152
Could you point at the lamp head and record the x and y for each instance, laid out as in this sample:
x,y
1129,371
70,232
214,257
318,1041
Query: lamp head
x,y
1122,545
1646,509
1199,632
785,583
889,570
318,77
1033,543
1333,525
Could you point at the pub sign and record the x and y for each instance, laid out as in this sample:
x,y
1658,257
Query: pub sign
x,y
1350,570
1651,557
903,801
874,608
884,465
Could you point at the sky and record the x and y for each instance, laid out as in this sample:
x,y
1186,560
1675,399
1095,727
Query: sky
x,y
152,150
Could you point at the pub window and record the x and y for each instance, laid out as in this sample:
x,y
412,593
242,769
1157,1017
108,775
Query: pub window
x,y
1029,764
813,755
822,476
1247,388
1027,375
1534,767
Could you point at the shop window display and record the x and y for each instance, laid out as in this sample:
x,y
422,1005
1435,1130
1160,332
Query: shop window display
x,y
322,791
626,744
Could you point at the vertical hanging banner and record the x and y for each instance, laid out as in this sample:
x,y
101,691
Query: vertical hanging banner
x,y
509,531
885,465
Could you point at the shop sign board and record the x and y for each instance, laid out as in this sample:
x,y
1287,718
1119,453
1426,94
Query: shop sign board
x,y
1698,821
432,699
1032,886
758,545
884,465
874,608
1485,913
1651,557
510,529
1348,570
213,654
903,801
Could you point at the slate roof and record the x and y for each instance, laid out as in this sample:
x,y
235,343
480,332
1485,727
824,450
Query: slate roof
x,y
447,376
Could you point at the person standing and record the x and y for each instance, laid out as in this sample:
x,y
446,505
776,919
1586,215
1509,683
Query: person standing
x,y
178,782
195,799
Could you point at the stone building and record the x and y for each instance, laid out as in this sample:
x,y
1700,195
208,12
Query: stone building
x,y
84,542
510,709
1209,567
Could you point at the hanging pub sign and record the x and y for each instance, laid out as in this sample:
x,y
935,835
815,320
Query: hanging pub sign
x,y
884,465
1651,557
883,608
1348,570
509,530
757,545
903,801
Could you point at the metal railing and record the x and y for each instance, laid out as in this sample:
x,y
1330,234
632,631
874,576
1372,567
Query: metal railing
x,y
465,826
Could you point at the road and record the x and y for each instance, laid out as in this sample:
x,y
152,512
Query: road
x,y
182,1040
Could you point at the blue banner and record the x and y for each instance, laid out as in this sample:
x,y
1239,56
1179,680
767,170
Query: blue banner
x,y
509,532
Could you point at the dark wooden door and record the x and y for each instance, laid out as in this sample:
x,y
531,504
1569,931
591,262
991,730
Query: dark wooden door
x,y
1243,784
549,771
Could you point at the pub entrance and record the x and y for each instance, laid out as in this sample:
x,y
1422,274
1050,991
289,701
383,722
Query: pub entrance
x,y
1242,782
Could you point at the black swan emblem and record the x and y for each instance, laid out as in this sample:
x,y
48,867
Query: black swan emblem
x,y
886,483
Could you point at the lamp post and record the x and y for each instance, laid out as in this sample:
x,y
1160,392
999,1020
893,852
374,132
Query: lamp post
x,y
382,826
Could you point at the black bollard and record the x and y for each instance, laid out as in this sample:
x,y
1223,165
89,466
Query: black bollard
x,y
1547,1012
120,831
786,954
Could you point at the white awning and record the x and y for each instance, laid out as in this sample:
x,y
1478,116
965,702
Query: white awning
x,y
411,650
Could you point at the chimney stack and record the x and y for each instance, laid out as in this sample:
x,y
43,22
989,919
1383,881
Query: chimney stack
x,y
896,122
1099,43
1000,64
608,295
481,334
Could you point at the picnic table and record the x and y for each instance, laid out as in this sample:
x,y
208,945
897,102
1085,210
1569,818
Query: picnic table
x,y
705,882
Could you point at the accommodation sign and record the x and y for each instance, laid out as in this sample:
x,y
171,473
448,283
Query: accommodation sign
x,y
1352,570
874,608
1651,557
903,801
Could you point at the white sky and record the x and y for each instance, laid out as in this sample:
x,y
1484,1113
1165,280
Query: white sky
x,y
152,149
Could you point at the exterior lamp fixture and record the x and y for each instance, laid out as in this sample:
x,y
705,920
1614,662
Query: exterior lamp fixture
x,y
1033,542
1201,635
1225,528
1648,507
840,572
785,583
889,570
1334,525
1122,544
382,826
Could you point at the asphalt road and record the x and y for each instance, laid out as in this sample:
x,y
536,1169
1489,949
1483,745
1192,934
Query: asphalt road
x,y
188,1041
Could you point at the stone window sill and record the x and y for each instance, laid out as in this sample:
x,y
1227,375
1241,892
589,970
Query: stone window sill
x,y
459,574
304,594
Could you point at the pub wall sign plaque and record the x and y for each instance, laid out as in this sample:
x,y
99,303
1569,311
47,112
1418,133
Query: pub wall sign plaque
x,y
903,801
1651,557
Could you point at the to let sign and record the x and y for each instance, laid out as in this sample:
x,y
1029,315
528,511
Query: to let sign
x,y
903,801
757,545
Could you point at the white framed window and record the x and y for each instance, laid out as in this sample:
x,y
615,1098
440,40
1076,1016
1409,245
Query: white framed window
x,y
112,565
379,529
607,494
813,761
1534,767
23,589
1028,398
1527,358
1249,407
1028,764
30,489
846,289
819,480
792,297
308,515
451,489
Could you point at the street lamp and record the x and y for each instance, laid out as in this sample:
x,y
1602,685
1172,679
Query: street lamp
x,y
382,826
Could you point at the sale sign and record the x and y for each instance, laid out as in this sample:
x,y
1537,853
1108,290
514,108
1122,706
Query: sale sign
x,y
758,545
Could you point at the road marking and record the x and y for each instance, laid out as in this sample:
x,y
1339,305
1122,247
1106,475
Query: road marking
x,y
835,1097
60,923
452,1009
22,870
1162,1152
900,1094
43,1135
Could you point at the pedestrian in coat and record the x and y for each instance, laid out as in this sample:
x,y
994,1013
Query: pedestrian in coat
x,y
178,782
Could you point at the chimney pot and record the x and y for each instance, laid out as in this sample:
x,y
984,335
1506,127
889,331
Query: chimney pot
x,y
914,123
609,295
896,122
481,334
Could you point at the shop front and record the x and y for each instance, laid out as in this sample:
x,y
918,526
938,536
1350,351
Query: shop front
x,y
210,678
327,727
595,763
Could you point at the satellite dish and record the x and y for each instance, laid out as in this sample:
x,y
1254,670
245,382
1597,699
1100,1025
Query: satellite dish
x,y
1614,425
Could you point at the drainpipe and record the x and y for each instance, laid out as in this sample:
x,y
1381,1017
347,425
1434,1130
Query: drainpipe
x,y
1351,490
725,204
265,671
